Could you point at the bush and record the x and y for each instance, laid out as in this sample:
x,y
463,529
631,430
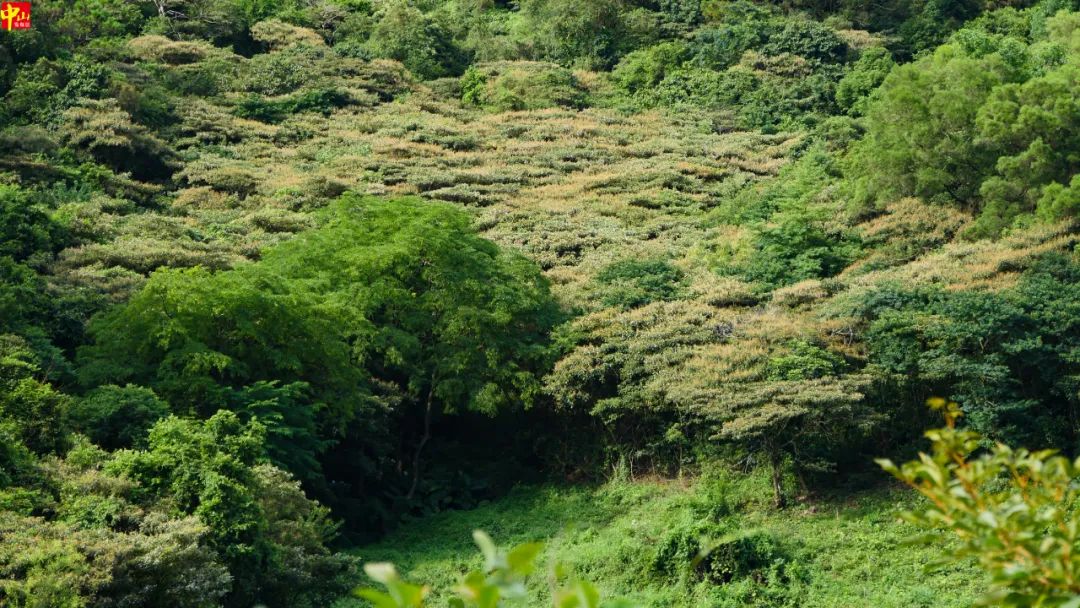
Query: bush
x,y
283,71
106,133
976,346
631,283
805,361
268,533
646,68
750,555
275,110
1012,510
521,85
25,229
44,90
807,39
722,46
588,35
38,412
710,552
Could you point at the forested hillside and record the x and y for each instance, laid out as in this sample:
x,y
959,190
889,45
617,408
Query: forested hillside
x,y
287,286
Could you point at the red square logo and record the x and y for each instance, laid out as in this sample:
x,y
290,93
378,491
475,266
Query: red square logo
x,y
15,15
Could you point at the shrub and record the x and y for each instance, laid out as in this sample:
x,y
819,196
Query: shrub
x,y
805,38
1011,509
271,536
106,133
805,361
39,413
277,35
746,555
646,68
521,85
162,562
633,283
275,110
722,46
25,229
283,71
588,35
976,346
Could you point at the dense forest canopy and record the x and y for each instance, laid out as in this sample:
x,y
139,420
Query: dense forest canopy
x,y
277,276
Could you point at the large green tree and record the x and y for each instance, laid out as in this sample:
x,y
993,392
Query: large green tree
x,y
388,316
443,317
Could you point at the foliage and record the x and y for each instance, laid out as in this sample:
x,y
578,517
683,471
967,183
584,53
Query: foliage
x,y
283,71
865,76
632,283
795,234
502,87
647,68
106,133
568,32
25,229
37,411
402,32
391,308
1011,509
53,564
321,100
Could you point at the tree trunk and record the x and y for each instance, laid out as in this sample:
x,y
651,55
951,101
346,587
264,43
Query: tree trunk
x,y
776,463
420,446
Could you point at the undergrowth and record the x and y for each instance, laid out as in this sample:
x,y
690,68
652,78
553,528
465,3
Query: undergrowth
x,y
708,543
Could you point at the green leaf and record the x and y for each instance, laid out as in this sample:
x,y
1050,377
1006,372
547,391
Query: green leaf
x,y
522,559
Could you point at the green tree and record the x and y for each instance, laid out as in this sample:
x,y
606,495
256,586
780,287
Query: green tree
x,y
242,341
1009,359
921,131
429,308
644,69
588,35
403,32
1036,125
865,76
391,312
30,405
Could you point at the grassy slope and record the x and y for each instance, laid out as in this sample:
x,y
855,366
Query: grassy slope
x,y
840,554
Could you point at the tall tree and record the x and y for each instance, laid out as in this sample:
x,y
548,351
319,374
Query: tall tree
x,y
431,309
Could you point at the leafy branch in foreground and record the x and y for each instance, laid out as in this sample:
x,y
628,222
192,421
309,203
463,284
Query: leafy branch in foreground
x,y
1011,508
502,578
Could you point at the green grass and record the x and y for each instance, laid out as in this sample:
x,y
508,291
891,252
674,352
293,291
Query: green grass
x,y
835,554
